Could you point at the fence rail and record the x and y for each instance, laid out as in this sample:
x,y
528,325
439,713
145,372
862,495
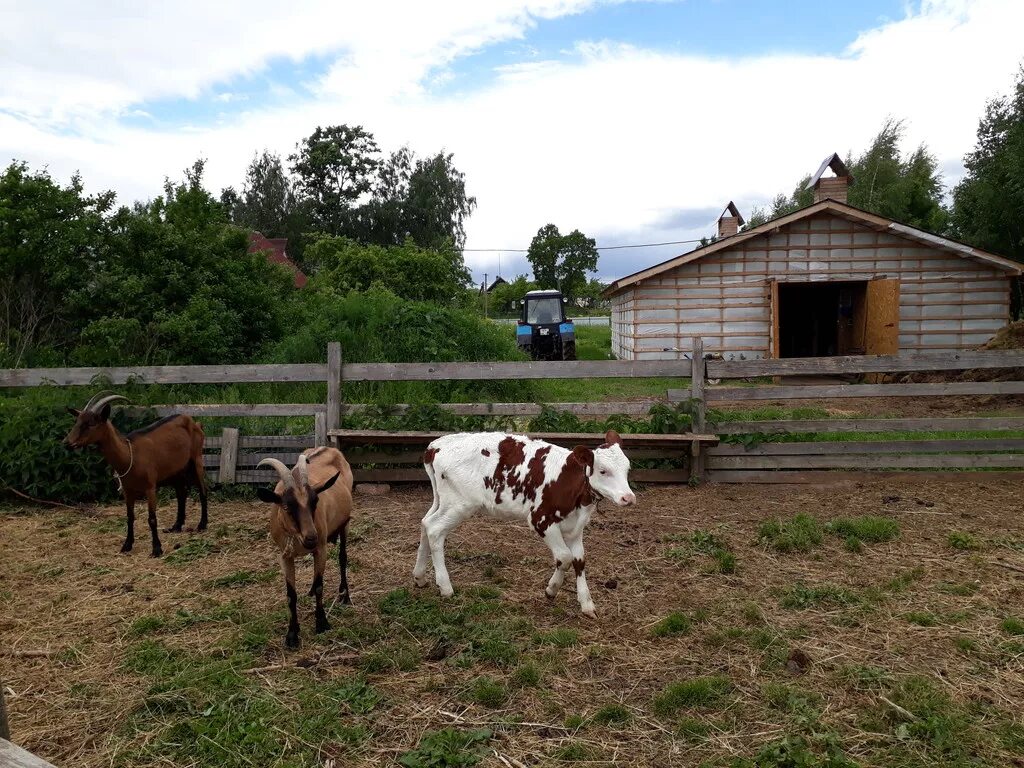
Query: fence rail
x,y
233,456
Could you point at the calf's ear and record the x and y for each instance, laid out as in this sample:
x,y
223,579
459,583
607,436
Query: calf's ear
x,y
611,437
585,457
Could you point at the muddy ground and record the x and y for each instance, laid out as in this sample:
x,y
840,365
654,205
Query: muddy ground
x,y
905,653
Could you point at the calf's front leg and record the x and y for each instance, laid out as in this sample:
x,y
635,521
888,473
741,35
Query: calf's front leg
x,y
579,566
563,556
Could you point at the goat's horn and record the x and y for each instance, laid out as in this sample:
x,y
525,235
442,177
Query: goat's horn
x,y
94,398
108,399
303,468
282,470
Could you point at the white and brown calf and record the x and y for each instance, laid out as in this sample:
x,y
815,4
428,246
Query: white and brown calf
x,y
514,477
312,506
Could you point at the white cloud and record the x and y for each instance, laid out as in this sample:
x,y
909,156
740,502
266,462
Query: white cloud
x,y
613,139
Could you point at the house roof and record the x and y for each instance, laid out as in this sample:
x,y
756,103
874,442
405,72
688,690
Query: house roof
x,y
732,210
275,248
843,210
834,162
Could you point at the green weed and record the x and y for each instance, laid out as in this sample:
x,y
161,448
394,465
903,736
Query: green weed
x,y
800,534
963,541
675,623
699,692
612,714
867,528
448,748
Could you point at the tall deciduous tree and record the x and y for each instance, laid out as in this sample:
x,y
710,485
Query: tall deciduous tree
x,y
267,202
51,242
906,188
562,261
335,167
988,204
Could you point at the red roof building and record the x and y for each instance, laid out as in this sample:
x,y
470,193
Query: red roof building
x,y
275,247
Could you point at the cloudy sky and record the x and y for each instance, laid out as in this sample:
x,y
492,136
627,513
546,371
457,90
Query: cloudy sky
x,y
633,121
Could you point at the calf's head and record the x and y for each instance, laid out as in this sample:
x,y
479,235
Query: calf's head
x,y
297,498
607,469
90,422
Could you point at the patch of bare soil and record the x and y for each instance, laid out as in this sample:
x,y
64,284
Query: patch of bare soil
x,y
72,630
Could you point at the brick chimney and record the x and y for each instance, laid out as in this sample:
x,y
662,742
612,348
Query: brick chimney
x,y
729,222
831,187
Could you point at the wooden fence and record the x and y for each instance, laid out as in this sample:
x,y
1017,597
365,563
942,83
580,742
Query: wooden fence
x,y
232,456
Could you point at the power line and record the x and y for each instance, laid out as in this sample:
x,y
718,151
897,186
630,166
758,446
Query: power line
x,y
600,247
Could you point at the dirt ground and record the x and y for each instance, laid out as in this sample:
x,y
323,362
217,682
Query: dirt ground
x,y
905,653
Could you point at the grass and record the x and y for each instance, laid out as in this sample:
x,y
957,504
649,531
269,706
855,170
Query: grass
x,y
1011,625
447,748
563,637
867,528
922,618
802,533
701,542
488,692
611,714
963,541
701,692
676,623
243,578
800,596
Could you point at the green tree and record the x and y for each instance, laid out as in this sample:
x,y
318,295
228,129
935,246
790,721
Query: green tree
x,y
177,284
562,261
51,241
905,188
988,203
407,271
506,297
335,167
267,203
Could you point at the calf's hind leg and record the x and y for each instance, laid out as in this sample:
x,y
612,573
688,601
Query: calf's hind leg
x,y
419,571
437,528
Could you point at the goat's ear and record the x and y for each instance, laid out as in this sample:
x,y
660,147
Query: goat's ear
x,y
585,457
267,495
323,487
105,412
73,411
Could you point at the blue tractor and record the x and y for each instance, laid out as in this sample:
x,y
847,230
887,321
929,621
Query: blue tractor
x,y
543,331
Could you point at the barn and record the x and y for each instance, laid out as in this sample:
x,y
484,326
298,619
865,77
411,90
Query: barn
x,y
828,279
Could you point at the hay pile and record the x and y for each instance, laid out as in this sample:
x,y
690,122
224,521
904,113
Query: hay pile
x,y
1009,337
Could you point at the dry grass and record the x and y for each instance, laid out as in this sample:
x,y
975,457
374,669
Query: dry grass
x,y
116,660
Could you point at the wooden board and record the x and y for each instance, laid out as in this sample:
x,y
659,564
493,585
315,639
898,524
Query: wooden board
x,y
632,408
241,409
774,341
882,332
557,369
384,437
829,477
162,374
798,426
820,392
854,461
831,366
12,756
871,446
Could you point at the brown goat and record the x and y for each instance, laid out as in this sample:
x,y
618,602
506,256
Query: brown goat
x,y
168,452
312,506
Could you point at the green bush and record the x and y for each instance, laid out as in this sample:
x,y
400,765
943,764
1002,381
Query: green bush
x,y
33,458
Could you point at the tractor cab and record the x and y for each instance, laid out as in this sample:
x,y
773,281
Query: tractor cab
x,y
543,331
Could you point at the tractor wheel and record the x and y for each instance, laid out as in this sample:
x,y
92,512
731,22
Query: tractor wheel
x,y
569,350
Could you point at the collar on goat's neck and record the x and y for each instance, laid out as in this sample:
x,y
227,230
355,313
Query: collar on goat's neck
x,y
117,450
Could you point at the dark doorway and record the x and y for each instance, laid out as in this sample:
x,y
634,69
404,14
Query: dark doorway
x,y
821,319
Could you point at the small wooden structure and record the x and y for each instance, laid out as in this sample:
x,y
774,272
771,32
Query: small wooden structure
x,y
829,279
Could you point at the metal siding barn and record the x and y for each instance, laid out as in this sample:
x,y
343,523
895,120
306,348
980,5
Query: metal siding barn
x,y
826,280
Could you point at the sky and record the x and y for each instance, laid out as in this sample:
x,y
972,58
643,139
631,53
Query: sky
x,y
635,122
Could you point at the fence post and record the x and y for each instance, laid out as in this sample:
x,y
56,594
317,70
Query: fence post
x,y
228,455
334,385
699,416
320,429
5,728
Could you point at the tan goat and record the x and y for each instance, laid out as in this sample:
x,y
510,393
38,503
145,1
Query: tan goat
x,y
312,506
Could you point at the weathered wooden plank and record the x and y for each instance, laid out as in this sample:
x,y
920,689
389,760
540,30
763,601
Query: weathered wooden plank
x,y
163,374
826,477
394,475
242,409
228,455
820,392
854,461
798,426
870,446
809,366
12,756
557,369
697,374
659,475
300,442
632,408
384,437
5,727
334,374
320,429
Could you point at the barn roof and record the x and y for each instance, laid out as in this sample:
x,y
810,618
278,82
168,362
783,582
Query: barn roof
x,y
275,248
843,210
